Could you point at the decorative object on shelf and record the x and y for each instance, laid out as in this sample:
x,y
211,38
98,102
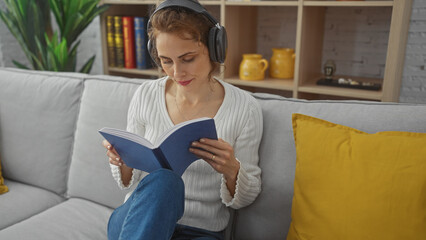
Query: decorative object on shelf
x,y
328,80
46,49
329,69
253,67
349,83
282,63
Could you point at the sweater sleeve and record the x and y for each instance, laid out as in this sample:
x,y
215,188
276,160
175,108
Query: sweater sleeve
x,y
134,125
246,150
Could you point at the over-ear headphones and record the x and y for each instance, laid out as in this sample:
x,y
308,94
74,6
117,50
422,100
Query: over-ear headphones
x,y
217,39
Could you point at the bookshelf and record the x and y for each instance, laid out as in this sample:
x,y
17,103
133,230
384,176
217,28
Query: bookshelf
x,y
239,16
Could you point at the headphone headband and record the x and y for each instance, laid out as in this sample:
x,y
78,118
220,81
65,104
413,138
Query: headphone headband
x,y
217,37
193,5
189,4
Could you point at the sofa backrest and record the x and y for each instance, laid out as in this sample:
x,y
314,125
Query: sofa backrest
x,y
104,103
50,120
38,113
269,216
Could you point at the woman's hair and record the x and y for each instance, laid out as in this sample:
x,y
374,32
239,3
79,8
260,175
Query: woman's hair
x,y
186,23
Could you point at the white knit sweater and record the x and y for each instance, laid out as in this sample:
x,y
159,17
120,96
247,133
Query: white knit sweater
x,y
238,121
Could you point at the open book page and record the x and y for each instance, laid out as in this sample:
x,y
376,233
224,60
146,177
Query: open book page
x,y
133,150
176,146
127,135
169,132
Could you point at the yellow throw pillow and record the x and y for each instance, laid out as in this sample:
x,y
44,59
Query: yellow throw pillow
x,y
3,188
353,185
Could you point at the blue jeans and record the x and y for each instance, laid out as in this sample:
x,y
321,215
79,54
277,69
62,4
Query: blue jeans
x,y
153,209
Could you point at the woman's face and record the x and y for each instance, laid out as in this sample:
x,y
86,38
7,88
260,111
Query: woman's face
x,y
187,62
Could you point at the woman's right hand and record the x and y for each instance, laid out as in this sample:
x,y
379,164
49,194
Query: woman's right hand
x,y
114,158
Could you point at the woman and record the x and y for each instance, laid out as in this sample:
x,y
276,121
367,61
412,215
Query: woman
x,y
194,206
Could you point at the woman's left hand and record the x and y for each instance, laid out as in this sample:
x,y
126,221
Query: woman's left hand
x,y
220,155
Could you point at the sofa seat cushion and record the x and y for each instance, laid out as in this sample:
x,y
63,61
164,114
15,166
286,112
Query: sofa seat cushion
x,y
22,201
348,180
73,219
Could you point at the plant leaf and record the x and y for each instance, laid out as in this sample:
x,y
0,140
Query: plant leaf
x,y
29,22
72,58
20,65
87,67
42,52
58,13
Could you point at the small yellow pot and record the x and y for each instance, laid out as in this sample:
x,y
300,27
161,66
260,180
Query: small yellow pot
x,y
282,63
253,67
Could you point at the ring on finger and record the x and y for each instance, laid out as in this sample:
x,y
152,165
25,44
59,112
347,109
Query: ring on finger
x,y
213,157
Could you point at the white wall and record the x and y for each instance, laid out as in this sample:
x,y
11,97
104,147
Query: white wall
x,y
413,88
357,47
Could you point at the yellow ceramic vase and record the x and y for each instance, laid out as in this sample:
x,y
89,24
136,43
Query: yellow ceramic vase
x,y
253,67
282,63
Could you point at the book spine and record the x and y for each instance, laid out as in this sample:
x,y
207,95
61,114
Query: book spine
x,y
161,158
118,39
110,41
141,42
129,42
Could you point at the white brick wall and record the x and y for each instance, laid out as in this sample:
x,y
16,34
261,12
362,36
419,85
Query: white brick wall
x,y
413,87
276,28
358,47
356,39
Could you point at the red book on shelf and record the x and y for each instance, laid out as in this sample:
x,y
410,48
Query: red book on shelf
x,y
129,42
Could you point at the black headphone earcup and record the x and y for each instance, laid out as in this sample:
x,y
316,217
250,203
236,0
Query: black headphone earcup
x,y
150,48
212,44
217,44
221,44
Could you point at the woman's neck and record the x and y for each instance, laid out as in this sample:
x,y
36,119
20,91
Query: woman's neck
x,y
194,96
203,101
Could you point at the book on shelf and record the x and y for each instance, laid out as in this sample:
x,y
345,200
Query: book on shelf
x,y
129,42
170,150
141,40
118,40
110,41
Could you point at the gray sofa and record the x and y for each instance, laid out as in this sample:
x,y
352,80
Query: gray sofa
x,y
60,185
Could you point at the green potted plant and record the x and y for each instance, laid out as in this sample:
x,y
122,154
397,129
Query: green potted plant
x,y
30,23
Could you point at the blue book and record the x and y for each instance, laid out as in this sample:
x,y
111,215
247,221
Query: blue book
x,y
141,40
170,151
